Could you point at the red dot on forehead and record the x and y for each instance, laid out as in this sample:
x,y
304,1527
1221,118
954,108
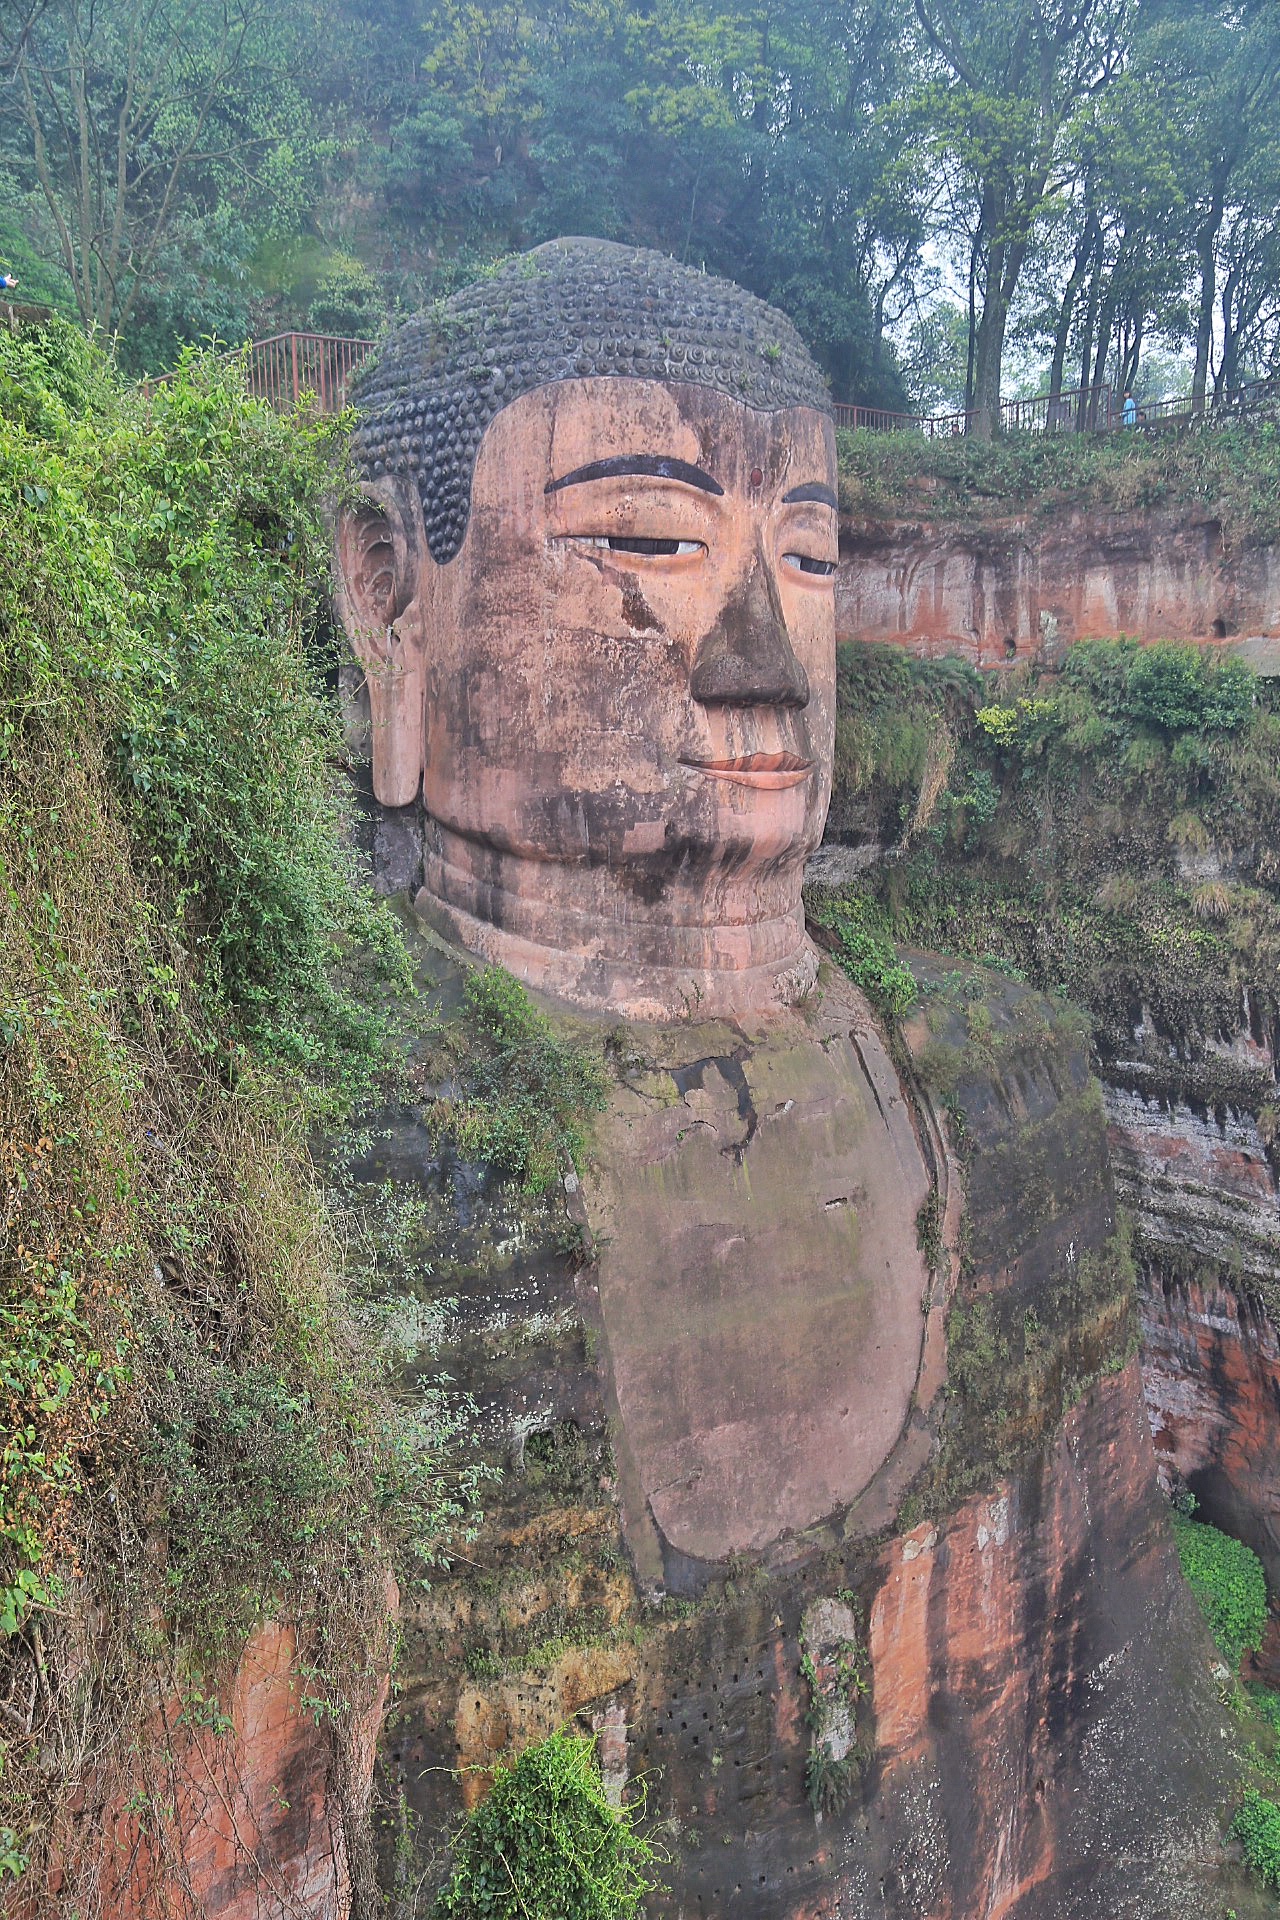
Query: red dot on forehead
x,y
757,477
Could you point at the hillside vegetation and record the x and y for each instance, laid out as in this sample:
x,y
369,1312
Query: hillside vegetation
x,y
1100,176
1108,832
194,1437
1231,472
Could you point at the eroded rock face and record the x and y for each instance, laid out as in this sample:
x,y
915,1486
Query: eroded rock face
x,y
1200,1182
232,1807
1211,1377
1016,587
1004,1708
1039,1669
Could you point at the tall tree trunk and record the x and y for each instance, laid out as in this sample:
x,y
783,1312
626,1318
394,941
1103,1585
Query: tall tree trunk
x,y
1228,375
1062,332
1131,354
1086,337
988,336
973,323
988,362
1207,260
1106,327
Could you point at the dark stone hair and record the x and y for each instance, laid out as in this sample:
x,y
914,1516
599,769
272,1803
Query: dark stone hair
x,y
568,310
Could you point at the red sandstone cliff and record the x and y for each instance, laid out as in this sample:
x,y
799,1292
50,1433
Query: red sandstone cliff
x,y
1017,585
1211,1377
1043,1696
233,1810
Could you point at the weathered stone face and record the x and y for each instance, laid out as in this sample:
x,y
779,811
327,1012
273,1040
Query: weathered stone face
x,y
619,695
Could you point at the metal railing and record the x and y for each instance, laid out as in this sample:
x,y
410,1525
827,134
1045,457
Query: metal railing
x,y
1078,410
288,365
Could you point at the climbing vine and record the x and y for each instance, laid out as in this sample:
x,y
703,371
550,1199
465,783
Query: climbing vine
x,y
546,1842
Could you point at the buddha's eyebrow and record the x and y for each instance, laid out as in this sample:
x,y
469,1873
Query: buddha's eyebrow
x,y
813,491
658,466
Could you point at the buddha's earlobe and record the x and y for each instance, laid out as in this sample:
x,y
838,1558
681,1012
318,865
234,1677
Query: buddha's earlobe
x,y
375,588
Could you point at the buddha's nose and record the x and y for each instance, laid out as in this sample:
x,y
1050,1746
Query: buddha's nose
x,y
746,660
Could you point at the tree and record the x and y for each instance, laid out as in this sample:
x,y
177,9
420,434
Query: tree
x,y
763,142
129,108
1122,226
1011,75
1215,64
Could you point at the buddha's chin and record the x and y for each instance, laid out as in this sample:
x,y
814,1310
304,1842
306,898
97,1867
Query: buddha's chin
x,y
654,937
737,821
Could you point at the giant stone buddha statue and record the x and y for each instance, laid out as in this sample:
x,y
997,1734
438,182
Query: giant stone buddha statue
x,y
591,588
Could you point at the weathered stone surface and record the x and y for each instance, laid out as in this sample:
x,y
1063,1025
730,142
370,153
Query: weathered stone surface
x,y
236,1813
591,588
1049,1741
1018,586
625,758
1200,1183
1042,1736
1211,1377
571,309
762,1290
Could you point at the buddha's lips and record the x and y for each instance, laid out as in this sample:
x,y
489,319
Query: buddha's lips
x,y
766,770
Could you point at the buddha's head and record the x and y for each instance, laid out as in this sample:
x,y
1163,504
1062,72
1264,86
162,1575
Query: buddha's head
x,y
590,583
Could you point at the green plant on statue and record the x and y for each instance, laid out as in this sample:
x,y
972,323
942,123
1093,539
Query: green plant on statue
x,y
545,1842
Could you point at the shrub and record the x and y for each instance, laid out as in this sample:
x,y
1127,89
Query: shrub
x,y
546,1845
1174,688
895,724
866,954
524,1093
1257,1827
1227,1580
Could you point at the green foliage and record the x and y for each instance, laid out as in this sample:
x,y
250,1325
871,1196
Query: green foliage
x,y
184,541
837,1675
1227,1580
830,1783
39,282
1232,472
1257,1827
866,954
194,1430
896,721
546,1845
1072,808
347,299
1267,1704
1172,687
524,1092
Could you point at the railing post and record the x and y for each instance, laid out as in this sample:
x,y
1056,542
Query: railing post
x,y
293,361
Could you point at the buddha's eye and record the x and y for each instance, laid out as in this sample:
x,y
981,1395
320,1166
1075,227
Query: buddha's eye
x,y
807,564
656,549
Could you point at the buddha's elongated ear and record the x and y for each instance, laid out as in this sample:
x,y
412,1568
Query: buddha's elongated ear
x,y
375,588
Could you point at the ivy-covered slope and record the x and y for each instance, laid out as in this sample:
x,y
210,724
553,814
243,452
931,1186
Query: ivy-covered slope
x,y
192,1434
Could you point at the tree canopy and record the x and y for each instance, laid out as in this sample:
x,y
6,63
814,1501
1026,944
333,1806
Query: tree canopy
x,y
939,191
